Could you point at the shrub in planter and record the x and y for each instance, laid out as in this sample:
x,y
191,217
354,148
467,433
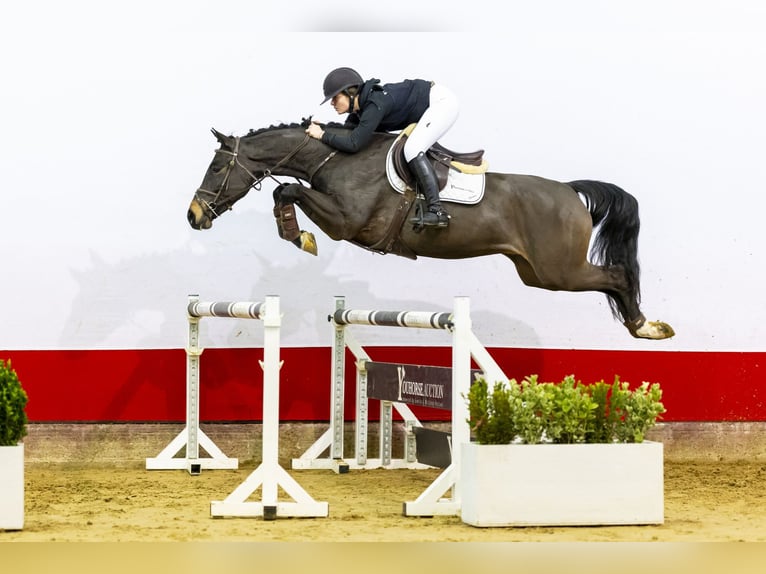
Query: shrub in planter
x,y
561,454
531,412
13,427
13,402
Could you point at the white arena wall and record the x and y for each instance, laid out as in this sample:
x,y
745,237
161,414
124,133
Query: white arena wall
x,y
107,136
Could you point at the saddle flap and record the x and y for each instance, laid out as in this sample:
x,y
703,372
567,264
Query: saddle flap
x,y
400,164
441,158
464,183
441,167
471,158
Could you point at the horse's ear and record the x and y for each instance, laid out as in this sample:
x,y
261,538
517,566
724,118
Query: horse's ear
x,y
222,139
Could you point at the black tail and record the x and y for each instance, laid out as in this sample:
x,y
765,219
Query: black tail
x,y
616,240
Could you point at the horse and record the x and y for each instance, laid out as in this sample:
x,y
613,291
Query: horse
x,y
543,226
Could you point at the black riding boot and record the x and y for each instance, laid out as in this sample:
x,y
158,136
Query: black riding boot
x,y
435,216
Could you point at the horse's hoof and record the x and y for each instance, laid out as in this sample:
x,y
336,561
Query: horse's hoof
x,y
654,330
308,242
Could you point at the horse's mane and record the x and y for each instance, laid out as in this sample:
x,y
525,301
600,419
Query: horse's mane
x,y
255,132
304,123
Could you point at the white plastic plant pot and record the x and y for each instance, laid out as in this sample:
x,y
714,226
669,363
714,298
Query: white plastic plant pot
x,y
12,487
562,484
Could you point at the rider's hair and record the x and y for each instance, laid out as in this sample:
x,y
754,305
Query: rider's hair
x,y
352,90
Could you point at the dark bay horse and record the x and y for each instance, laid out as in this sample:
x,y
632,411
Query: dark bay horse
x,y
543,226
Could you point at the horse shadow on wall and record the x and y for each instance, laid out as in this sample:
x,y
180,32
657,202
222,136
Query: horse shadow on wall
x,y
140,302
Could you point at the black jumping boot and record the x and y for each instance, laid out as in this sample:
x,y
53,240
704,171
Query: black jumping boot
x,y
434,216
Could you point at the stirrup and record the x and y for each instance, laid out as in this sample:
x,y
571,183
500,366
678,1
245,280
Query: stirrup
x,y
426,218
438,218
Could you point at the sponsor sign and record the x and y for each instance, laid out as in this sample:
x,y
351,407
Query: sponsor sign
x,y
419,385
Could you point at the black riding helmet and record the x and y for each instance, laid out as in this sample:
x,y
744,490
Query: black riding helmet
x,y
338,80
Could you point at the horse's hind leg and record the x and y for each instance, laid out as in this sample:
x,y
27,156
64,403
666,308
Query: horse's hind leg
x,y
584,277
287,220
623,296
580,277
588,277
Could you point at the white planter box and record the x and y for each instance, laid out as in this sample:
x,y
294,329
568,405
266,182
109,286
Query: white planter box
x,y
562,485
12,487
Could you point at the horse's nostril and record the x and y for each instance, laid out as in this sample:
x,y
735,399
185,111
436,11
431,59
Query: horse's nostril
x,y
191,219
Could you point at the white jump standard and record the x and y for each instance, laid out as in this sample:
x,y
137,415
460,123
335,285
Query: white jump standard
x,y
333,437
465,345
269,475
192,436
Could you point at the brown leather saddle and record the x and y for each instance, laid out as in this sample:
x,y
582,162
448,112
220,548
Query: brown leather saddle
x,y
441,158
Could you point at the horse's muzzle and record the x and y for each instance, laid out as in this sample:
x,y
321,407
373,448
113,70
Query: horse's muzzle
x,y
192,219
197,217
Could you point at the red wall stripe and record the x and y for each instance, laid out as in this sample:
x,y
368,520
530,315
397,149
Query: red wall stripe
x,y
150,385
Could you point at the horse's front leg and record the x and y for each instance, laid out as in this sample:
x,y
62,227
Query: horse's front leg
x,y
285,196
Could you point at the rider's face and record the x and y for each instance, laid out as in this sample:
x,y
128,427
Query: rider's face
x,y
341,103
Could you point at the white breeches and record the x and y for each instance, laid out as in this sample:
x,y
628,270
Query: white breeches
x,y
434,123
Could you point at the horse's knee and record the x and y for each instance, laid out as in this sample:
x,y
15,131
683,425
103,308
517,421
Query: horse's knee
x,y
288,192
277,193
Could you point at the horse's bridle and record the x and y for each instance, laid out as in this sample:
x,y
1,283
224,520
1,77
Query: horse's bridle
x,y
213,207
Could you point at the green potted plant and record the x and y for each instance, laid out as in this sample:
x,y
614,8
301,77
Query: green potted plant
x,y
562,454
13,428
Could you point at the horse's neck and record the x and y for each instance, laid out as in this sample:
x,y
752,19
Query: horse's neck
x,y
292,156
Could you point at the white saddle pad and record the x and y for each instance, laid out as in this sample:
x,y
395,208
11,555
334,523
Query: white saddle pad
x,y
467,188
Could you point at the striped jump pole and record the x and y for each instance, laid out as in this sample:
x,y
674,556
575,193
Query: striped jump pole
x,y
417,319
234,310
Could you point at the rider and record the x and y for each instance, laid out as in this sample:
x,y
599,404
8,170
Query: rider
x,y
391,107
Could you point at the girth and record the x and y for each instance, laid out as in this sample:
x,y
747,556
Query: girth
x,y
391,242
